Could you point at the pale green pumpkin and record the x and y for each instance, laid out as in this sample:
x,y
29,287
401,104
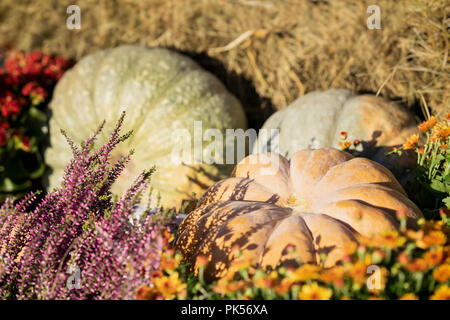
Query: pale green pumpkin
x,y
161,91
317,119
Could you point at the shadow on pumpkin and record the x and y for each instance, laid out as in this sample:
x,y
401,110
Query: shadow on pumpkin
x,y
213,230
204,231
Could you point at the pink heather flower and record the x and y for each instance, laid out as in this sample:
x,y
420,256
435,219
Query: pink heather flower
x,y
77,242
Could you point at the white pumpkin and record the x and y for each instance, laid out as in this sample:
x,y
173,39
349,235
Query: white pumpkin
x,y
316,120
161,91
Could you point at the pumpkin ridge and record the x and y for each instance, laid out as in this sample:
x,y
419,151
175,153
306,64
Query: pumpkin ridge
x,y
273,236
319,237
364,219
367,164
277,224
93,84
67,86
238,191
205,237
245,235
308,165
158,97
393,194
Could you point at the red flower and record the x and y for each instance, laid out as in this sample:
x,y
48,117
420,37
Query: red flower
x,y
25,143
15,133
56,67
4,125
10,105
11,80
3,138
35,91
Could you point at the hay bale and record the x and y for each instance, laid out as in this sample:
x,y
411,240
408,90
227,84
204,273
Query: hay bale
x,y
284,48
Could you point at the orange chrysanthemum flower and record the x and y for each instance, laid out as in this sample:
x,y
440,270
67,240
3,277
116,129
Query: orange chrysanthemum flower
x,y
417,265
304,272
390,239
409,296
332,275
237,286
434,257
264,281
168,263
201,261
440,132
442,273
314,292
358,271
428,124
426,240
283,287
434,238
223,286
403,258
411,142
345,145
443,293
169,286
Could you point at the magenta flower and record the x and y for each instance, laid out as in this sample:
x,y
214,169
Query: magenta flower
x,y
77,242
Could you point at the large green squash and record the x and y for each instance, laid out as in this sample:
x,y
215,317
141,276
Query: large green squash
x,y
161,91
317,119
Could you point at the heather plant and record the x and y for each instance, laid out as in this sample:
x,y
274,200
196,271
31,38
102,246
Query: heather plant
x,y
79,241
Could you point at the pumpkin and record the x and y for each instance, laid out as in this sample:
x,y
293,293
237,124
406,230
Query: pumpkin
x,y
161,91
317,119
320,202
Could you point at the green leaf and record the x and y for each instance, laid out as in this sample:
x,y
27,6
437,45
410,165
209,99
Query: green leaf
x,y
38,172
446,201
37,114
437,186
7,186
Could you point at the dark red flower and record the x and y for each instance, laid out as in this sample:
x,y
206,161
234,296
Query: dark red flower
x,y
15,133
4,125
3,138
25,143
10,105
35,92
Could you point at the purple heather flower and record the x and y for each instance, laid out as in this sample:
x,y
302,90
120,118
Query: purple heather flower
x,y
76,242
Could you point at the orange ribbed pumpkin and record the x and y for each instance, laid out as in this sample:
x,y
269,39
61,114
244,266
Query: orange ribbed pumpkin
x,y
319,202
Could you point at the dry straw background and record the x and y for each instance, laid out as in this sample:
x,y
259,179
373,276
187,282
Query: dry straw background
x,y
267,52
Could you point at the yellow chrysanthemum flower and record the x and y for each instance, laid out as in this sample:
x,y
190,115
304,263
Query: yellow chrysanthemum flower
x,y
443,293
314,292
